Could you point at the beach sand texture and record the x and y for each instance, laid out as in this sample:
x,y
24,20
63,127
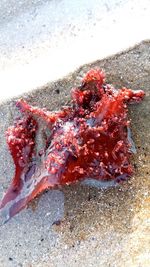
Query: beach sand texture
x,y
79,225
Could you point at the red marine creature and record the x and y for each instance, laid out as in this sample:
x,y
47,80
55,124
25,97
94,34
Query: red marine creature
x,y
88,139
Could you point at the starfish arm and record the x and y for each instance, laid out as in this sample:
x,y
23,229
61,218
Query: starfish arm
x,y
47,116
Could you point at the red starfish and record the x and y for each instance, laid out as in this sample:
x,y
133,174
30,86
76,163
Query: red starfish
x,y
87,139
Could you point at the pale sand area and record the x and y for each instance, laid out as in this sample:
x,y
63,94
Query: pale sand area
x,y
44,40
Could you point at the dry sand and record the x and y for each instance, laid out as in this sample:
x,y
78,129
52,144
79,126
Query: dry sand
x,y
80,225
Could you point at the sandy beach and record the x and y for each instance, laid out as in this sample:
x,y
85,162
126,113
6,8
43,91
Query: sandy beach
x,y
79,225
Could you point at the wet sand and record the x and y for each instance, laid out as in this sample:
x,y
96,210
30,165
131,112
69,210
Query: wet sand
x,y
79,225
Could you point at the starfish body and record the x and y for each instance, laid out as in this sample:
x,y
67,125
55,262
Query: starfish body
x,y
87,139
